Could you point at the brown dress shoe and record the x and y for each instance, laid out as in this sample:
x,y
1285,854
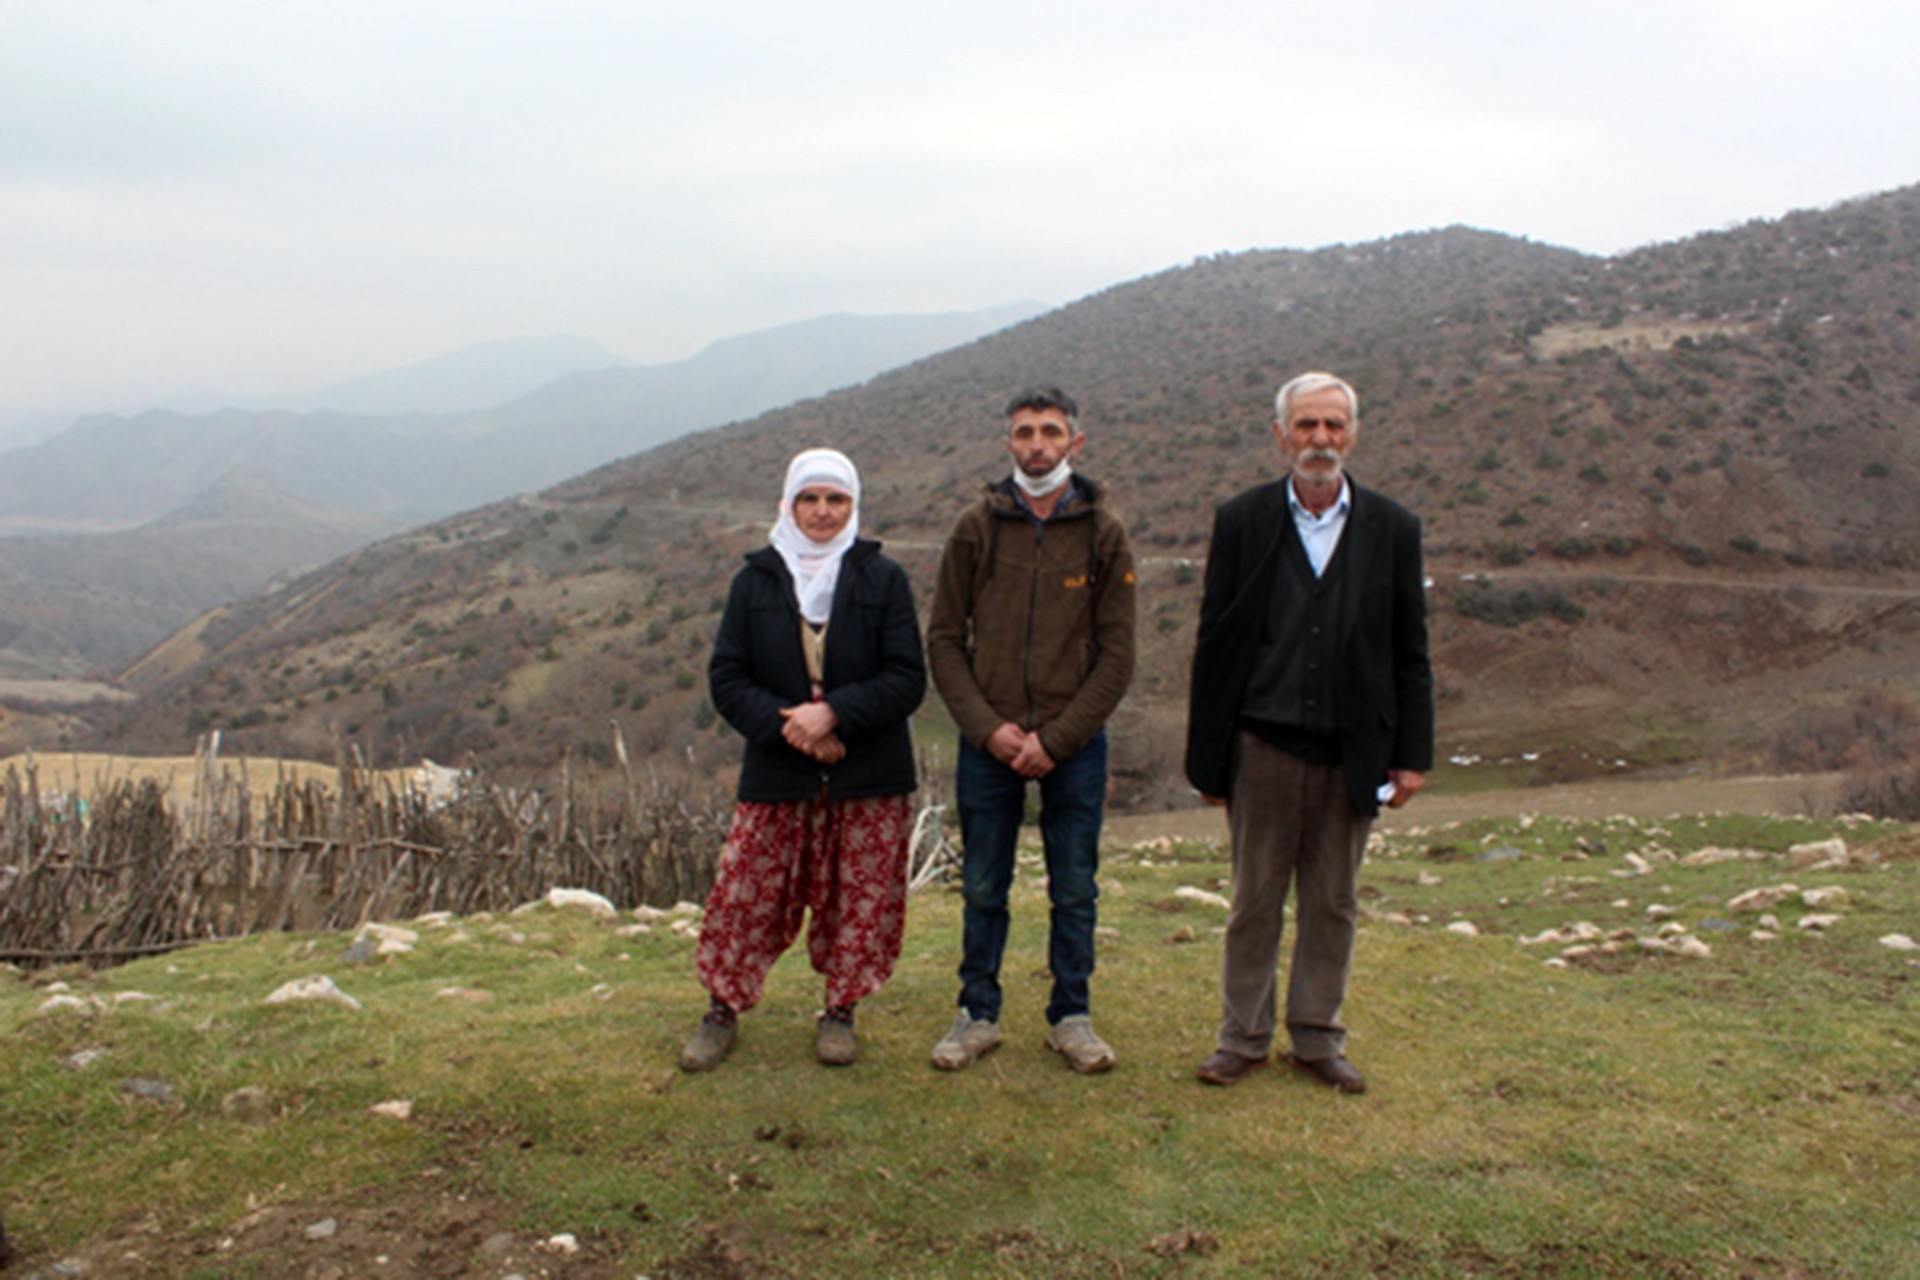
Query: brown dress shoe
x,y
1228,1067
1335,1071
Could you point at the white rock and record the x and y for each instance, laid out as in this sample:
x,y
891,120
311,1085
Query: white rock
x,y
565,1243
1465,928
1899,942
469,994
133,997
632,930
587,899
1694,947
394,1109
435,919
1427,879
57,988
1578,931
1659,911
1817,851
1763,935
383,933
320,987
1203,896
1762,899
393,947
684,908
1639,864
1824,897
1817,923
325,1229
648,915
1713,853
66,1004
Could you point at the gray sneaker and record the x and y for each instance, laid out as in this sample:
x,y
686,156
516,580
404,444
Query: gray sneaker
x,y
1074,1039
710,1044
834,1044
969,1040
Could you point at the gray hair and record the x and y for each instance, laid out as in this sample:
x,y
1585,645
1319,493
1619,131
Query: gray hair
x,y
1307,384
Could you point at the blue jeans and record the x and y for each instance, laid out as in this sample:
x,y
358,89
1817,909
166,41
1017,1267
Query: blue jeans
x,y
992,800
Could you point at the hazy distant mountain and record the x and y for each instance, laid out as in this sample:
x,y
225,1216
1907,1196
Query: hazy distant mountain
x,y
107,470
472,378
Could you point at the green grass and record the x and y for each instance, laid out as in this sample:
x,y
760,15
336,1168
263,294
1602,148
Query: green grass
x,y
1755,1112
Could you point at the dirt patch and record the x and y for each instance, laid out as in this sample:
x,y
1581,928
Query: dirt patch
x,y
428,1234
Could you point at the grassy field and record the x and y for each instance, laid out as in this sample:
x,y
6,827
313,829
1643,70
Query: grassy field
x,y
1752,1112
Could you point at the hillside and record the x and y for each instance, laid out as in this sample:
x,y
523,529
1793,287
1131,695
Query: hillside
x,y
81,603
1668,495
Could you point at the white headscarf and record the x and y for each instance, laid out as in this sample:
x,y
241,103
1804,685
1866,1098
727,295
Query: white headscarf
x,y
815,566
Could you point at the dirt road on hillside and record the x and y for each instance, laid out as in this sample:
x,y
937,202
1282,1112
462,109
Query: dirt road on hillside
x,y
1639,798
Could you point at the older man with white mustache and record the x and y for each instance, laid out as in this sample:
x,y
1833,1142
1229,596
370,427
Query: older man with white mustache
x,y
1311,705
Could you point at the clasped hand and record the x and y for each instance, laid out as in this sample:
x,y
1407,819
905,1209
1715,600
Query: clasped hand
x,y
1020,751
809,728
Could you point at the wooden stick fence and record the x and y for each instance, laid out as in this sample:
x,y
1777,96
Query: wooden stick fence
x,y
130,874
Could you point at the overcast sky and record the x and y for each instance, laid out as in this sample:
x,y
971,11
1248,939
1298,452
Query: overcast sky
x,y
267,196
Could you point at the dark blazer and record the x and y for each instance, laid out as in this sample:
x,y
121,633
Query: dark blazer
x,y
1383,688
875,677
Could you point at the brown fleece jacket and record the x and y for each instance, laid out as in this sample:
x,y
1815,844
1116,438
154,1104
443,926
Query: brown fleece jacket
x,y
1033,623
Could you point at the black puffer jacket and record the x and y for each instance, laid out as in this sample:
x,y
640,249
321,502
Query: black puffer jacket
x,y
875,677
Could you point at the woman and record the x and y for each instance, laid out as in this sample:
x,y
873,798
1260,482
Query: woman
x,y
818,665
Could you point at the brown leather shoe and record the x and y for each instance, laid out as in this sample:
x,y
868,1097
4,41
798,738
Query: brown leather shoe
x,y
1228,1067
1335,1071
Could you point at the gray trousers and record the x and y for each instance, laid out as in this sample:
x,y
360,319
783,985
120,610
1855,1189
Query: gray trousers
x,y
1293,825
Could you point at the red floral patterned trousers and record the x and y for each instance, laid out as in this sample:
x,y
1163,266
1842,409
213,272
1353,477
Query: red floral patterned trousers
x,y
845,861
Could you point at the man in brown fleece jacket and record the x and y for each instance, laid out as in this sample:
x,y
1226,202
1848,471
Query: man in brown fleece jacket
x,y
1031,645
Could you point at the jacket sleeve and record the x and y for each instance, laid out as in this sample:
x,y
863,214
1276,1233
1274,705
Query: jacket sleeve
x,y
732,679
1114,615
1412,669
1205,753
893,690
1219,584
948,635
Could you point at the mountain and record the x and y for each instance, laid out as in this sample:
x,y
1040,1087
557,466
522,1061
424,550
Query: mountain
x,y
70,605
472,378
1668,499
112,471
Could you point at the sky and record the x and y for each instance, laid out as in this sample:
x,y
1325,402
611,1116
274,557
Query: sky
x,y
267,197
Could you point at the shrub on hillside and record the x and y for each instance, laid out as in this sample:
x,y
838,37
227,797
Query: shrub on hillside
x,y
1509,608
1877,729
1892,792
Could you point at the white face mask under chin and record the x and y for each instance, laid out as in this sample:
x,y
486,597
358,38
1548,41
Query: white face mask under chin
x,y
1041,486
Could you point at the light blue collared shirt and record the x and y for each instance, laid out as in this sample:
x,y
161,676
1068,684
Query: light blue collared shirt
x,y
1320,534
